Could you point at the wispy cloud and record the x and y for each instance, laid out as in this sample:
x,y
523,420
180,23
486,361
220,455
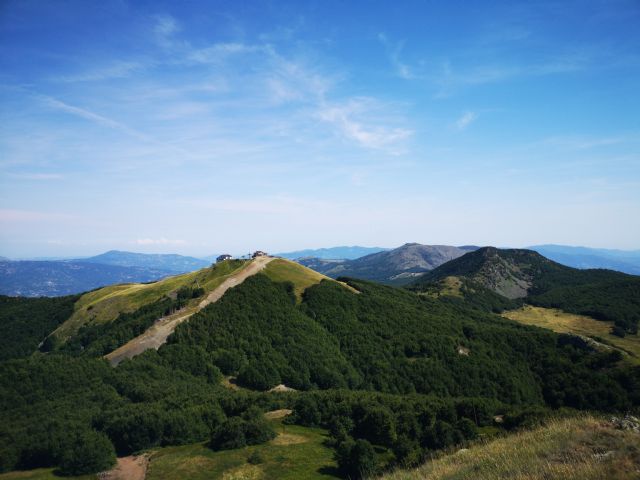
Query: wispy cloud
x,y
92,117
165,26
465,120
159,241
581,142
449,78
393,53
118,69
355,120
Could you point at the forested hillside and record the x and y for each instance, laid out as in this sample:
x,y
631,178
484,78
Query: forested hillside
x,y
25,322
392,375
527,276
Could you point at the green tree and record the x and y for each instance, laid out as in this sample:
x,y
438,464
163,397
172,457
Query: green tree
x,y
88,452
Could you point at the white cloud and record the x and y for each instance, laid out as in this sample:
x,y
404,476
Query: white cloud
x,y
393,52
356,120
159,241
166,25
465,120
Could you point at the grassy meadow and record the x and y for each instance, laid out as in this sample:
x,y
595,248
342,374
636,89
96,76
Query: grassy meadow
x,y
563,322
281,270
297,453
105,304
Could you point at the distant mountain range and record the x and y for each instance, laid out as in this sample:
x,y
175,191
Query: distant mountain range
x,y
397,266
342,253
51,279
167,262
627,261
36,278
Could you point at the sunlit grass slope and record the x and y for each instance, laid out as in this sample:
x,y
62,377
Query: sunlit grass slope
x,y
585,448
105,304
41,474
562,322
297,453
281,270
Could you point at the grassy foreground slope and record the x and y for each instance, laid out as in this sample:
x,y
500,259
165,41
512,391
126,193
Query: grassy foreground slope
x,y
105,304
586,448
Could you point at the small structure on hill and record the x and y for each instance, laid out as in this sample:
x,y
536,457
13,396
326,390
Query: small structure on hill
x,y
259,253
463,351
223,257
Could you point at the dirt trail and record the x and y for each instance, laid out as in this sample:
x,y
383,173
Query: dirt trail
x,y
157,334
127,468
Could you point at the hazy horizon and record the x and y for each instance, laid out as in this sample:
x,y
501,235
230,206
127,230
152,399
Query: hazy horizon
x,y
205,127
238,253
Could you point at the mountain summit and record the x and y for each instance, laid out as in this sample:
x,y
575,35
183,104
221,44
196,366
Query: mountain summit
x,y
399,265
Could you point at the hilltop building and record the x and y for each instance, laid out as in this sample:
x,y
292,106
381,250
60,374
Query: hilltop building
x,y
223,257
259,253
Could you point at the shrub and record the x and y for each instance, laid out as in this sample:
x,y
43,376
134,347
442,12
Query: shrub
x,y
88,452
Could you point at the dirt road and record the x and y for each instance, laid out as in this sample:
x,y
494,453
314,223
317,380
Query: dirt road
x,y
158,333
127,468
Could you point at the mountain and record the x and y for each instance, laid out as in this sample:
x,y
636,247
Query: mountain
x,y
343,253
166,262
384,375
44,278
582,257
516,273
524,274
397,266
391,376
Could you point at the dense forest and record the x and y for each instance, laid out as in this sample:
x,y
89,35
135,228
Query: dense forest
x,y
391,374
25,322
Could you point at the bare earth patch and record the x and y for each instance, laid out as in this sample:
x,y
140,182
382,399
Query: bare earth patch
x,y
282,388
275,414
128,468
158,333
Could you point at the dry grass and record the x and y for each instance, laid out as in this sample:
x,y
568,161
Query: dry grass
x,y
281,270
105,304
585,448
276,414
245,472
563,322
448,286
288,439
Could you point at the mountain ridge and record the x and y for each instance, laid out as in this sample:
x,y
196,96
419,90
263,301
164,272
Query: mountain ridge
x,y
170,262
399,265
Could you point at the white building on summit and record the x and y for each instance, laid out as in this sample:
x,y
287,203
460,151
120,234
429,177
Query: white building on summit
x,y
259,253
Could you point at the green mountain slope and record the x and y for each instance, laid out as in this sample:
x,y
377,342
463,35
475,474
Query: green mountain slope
x,y
398,266
393,376
527,275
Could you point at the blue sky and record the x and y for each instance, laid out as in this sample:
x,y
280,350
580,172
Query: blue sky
x,y
201,127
